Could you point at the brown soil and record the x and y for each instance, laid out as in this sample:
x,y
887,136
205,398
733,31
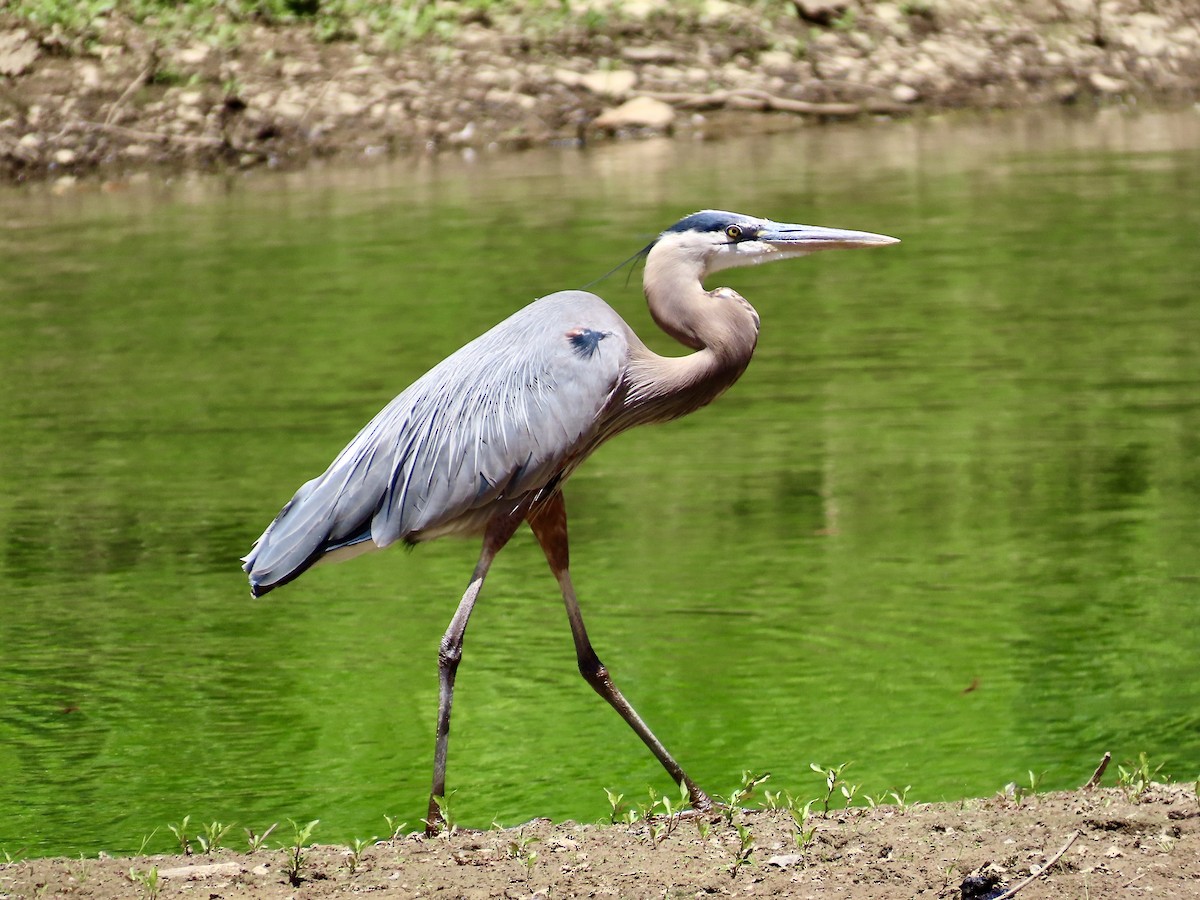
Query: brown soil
x,y
1125,845
124,96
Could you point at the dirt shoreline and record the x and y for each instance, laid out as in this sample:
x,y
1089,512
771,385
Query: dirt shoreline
x,y
118,97
1118,842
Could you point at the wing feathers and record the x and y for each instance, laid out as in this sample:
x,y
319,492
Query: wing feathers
x,y
495,420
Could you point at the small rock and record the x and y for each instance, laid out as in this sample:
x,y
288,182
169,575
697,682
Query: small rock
x,y
193,55
348,104
640,112
821,12
566,76
65,156
905,93
287,109
195,873
615,83
17,52
777,61
32,140
89,75
294,68
663,56
1106,84
191,98
785,860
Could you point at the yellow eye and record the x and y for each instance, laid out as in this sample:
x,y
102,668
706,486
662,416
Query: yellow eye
x,y
733,232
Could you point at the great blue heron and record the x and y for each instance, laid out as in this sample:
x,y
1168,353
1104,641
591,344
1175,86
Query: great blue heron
x,y
485,439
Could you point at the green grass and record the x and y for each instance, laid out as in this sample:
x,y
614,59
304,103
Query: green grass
x,y
221,21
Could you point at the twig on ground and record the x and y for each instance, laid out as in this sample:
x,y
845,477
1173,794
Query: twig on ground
x,y
747,98
1011,892
1099,773
140,79
206,140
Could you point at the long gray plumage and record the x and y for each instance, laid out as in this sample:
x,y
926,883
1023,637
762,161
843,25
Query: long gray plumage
x,y
482,442
475,432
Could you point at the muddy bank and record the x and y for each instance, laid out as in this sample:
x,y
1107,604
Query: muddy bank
x,y
1113,843
115,96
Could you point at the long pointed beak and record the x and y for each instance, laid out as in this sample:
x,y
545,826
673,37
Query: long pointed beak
x,y
807,238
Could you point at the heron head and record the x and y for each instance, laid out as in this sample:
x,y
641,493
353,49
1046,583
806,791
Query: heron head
x,y
719,240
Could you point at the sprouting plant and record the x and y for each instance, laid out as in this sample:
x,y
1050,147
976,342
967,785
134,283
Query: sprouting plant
x,y
1137,776
145,843
147,880
214,835
9,856
447,826
357,846
294,861
181,835
897,798
395,826
653,803
740,795
804,832
519,849
80,871
703,827
671,811
257,842
848,791
833,777
741,856
616,805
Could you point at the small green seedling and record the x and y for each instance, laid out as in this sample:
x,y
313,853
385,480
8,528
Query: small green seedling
x,y
214,835
181,835
672,811
804,833
739,796
447,826
519,849
147,880
616,806
80,870
1137,776
833,778
741,856
295,849
357,846
395,827
257,842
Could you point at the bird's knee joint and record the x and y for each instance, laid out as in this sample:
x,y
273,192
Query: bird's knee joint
x,y
593,671
449,655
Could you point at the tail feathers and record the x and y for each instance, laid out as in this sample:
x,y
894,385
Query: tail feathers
x,y
305,532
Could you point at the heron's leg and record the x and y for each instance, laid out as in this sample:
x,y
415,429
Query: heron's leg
x,y
549,524
450,653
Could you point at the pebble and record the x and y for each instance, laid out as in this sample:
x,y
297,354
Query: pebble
x,y
640,112
614,83
1106,84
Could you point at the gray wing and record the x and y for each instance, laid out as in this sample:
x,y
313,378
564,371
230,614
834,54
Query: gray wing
x,y
498,418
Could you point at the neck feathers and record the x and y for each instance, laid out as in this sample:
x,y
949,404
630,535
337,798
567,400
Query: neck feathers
x,y
719,325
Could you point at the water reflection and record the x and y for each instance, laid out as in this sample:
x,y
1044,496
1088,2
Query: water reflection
x,y
968,463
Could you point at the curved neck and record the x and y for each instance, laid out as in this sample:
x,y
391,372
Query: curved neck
x,y
719,325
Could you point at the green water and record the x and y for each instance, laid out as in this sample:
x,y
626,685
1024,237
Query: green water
x,y
972,459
